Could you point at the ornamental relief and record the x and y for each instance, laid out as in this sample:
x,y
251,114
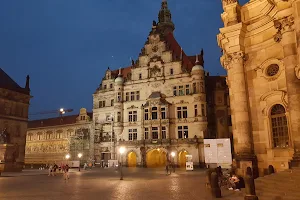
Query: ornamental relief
x,y
227,60
182,102
47,147
227,2
283,25
273,97
264,68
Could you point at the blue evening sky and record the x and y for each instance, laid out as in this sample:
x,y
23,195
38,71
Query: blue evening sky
x,y
66,45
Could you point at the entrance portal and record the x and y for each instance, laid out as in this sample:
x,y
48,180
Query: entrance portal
x,y
131,159
156,158
182,158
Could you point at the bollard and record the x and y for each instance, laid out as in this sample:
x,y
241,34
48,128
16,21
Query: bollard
x,y
215,188
271,169
250,185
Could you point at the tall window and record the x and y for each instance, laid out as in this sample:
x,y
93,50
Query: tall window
x,y
119,117
174,91
127,96
154,132
202,110
187,89
171,71
132,134
140,76
183,132
163,113
119,97
196,110
112,102
146,117
154,113
146,134
181,112
181,90
132,96
101,104
194,88
137,95
279,127
110,86
132,116
163,132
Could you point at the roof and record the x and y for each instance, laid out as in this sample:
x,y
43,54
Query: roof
x,y
7,82
187,61
57,121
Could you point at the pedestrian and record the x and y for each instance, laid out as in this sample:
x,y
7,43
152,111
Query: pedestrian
x,y
167,169
66,172
50,170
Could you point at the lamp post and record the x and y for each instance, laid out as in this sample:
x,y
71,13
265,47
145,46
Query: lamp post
x,y
173,160
121,150
79,156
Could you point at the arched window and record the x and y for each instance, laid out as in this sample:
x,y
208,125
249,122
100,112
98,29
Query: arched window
x,y
279,127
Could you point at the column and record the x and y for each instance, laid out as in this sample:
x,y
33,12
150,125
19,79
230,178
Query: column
x,y
242,138
291,54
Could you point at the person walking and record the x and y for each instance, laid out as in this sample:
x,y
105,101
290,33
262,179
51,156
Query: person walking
x,y
66,172
50,170
167,169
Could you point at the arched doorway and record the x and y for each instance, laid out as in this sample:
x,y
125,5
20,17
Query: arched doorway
x,y
131,159
182,159
156,158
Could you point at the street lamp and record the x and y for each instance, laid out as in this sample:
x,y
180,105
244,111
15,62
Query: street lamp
x,y
173,157
79,156
121,150
68,156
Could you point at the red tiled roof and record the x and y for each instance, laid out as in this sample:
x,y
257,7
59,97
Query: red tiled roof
x,y
8,83
124,71
65,120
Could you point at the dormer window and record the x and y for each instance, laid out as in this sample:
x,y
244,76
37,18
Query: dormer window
x,y
111,85
104,87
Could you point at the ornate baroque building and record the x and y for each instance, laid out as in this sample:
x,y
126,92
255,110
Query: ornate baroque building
x,y
14,104
50,140
260,43
158,104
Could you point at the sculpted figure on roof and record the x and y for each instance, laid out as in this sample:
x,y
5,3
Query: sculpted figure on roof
x,y
227,2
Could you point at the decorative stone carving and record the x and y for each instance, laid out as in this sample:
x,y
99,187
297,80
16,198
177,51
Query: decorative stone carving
x,y
117,107
132,107
227,59
155,85
182,102
283,25
155,71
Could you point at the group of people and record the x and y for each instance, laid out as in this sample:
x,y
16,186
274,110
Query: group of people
x,y
169,168
233,182
63,168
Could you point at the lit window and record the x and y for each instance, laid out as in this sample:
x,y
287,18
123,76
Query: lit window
x,y
279,127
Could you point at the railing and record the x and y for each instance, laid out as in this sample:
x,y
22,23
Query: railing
x,y
162,141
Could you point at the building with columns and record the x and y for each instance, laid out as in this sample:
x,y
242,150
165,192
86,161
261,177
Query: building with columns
x,y
14,104
155,106
260,45
50,140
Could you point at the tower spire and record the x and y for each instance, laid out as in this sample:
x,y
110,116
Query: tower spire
x,y
165,23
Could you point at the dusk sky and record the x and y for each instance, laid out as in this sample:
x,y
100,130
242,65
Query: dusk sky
x,y
66,45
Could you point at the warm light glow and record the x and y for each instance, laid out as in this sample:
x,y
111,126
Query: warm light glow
x,y
79,155
173,154
158,149
61,110
68,156
122,150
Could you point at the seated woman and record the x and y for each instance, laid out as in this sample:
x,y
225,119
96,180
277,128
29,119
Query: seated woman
x,y
235,183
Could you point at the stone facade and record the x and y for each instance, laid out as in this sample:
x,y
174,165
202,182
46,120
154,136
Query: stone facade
x,y
261,53
50,140
155,106
14,104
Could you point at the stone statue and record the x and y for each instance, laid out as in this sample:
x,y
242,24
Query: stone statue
x,y
4,137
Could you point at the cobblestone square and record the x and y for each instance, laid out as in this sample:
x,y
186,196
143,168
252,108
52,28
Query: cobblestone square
x,y
104,184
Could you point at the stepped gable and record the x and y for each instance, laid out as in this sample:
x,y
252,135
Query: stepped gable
x,y
65,120
7,82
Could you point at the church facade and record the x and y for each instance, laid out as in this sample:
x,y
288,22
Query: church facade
x,y
14,104
260,44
